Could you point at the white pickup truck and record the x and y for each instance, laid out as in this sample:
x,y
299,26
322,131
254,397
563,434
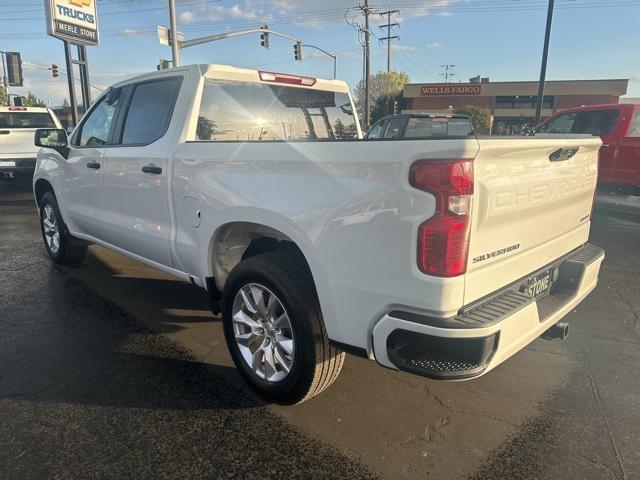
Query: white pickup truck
x,y
440,257
17,126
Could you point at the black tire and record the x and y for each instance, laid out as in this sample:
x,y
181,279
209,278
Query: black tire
x,y
316,363
70,251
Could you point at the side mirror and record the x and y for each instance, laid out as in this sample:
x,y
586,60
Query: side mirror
x,y
55,138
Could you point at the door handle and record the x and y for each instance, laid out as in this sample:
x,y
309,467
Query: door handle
x,y
606,145
562,154
151,168
94,165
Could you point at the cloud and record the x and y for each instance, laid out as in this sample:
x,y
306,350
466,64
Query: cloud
x,y
402,48
214,13
445,14
132,32
434,45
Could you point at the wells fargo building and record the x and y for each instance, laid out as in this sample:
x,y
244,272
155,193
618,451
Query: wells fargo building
x,y
512,104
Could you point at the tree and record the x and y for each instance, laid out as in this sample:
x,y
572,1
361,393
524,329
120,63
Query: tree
x,y
385,89
32,101
65,103
480,117
3,97
206,128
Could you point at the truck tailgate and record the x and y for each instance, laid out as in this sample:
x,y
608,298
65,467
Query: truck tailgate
x,y
532,205
17,141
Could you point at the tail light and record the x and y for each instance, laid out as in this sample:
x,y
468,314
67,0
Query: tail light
x,y
286,78
443,240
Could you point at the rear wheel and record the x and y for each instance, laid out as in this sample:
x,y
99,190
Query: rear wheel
x,y
274,328
61,246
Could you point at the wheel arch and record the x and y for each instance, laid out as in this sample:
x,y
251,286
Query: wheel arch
x,y
235,241
40,187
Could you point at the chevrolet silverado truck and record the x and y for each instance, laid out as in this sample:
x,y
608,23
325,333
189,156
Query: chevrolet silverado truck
x,y
440,257
17,126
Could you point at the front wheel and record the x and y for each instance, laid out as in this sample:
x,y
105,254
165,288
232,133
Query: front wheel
x,y
61,246
274,328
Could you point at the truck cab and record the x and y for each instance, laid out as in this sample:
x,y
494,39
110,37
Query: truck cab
x,y
17,127
618,125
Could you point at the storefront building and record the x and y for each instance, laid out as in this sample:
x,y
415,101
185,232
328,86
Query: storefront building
x,y
512,104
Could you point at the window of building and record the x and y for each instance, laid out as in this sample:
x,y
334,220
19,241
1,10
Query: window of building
x,y
150,111
522,101
246,111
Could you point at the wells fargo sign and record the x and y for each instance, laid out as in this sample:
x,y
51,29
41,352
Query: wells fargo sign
x,y
450,90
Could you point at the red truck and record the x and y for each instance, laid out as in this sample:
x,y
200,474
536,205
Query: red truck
x,y
619,127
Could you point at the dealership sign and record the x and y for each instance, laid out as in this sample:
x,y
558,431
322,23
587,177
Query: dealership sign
x,y
73,20
450,90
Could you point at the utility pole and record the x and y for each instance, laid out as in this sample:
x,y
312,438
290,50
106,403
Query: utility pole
x,y
5,79
175,51
389,37
543,68
447,72
367,64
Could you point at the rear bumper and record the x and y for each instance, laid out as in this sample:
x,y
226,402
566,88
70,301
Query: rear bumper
x,y
486,333
17,165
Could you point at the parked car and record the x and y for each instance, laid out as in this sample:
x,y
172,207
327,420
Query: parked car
x,y
618,125
17,127
438,257
421,125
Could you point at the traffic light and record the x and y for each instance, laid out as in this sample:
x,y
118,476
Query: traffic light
x,y
264,37
14,69
54,70
164,64
297,50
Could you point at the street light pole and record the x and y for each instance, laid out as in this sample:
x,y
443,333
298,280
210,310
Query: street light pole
x,y
543,69
175,52
326,53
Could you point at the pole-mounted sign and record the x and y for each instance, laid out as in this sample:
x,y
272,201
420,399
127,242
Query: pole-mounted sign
x,y
74,21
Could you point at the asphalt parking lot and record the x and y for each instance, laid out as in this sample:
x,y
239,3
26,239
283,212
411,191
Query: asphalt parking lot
x,y
115,370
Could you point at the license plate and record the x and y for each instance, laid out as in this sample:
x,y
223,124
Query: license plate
x,y
538,286
7,163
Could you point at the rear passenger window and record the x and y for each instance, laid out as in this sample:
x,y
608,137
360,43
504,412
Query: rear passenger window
x,y
233,111
150,111
595,122
634,128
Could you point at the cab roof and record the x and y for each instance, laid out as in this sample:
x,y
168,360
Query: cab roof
x,y
227,72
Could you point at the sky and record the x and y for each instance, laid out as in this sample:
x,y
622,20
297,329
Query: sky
x,y
500,39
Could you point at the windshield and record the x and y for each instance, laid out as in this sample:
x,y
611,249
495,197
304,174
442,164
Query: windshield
x,y
243,111
26,120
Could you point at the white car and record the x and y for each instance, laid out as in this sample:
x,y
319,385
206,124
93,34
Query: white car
x,y
438,257
17,127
